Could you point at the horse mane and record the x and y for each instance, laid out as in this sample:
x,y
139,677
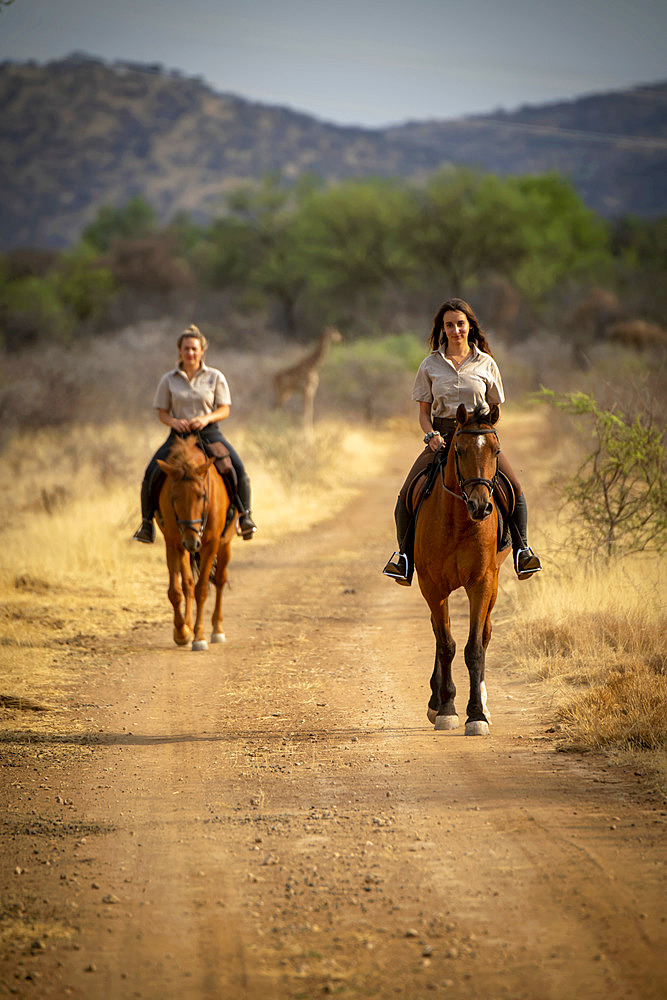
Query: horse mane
x,y
184,457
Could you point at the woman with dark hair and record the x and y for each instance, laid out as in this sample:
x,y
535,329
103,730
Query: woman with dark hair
x,y
191,399
460,369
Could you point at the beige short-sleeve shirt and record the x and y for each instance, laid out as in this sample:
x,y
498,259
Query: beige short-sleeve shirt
x,y
476,382
184,399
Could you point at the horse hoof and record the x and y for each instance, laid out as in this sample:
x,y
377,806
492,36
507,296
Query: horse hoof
x,y
432,715
218,637
477,727
443,722
182,640
199,644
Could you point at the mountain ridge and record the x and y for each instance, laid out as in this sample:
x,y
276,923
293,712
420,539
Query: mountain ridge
x,y
80,133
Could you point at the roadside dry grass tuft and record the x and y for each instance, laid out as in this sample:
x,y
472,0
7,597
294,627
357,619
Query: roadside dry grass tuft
x,y
598,639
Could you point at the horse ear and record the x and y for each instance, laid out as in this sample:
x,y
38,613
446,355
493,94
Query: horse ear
x,y
203,469
494,414
462,415
165,466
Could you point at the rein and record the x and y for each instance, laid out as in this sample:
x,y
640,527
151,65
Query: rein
x,y
473,481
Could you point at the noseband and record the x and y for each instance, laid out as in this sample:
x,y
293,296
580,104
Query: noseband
x,y
473,481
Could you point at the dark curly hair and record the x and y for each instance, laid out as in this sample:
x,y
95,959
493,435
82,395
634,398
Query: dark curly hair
x,y
475,336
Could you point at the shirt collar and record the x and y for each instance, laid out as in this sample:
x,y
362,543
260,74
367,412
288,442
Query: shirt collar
x,y
473,347
178,370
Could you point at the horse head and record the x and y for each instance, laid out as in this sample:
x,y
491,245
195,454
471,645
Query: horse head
x,y
187,477
476,449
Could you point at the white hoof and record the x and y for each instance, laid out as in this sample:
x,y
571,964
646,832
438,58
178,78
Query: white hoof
x,y
478,728
199,644
218,637
446,722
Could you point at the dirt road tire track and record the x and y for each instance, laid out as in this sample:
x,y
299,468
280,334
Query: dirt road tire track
x,y
276,817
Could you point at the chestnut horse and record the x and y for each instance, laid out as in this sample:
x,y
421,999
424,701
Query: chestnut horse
x,y
456,546
192,517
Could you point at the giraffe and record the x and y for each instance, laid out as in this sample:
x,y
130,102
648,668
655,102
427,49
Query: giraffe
x,y
302,379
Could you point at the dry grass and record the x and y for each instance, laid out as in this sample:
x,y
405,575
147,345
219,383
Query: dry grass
x,y
597,639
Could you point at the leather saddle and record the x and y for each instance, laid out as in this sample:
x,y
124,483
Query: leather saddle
x,y
504,498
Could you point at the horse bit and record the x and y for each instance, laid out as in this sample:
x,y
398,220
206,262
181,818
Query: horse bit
x,y
462,483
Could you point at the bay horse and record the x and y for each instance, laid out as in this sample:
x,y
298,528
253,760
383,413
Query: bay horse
x,y
192,516
456,546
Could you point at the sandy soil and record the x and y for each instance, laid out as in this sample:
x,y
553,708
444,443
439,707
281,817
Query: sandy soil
x,y
276,818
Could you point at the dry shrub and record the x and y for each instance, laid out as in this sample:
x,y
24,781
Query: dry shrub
x,y
587,645
626,711
597,638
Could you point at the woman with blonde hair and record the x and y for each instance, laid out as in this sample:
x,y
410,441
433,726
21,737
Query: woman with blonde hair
x,y
192,399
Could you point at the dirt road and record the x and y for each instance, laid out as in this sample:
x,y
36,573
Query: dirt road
x,y
276,818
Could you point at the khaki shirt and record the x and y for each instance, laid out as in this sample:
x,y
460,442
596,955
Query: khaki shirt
x,y
184,399
476,382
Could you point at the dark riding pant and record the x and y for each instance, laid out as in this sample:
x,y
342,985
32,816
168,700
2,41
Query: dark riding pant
x,y
236,479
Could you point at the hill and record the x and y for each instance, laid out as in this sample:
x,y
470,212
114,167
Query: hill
x,y
80,133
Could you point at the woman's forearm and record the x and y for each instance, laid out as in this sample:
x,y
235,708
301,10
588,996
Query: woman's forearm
x,y
425,417
221,413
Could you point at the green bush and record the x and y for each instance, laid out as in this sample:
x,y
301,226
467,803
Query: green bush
x,y
618,495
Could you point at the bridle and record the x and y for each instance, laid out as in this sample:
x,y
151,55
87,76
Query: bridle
x,y
201,521
475,480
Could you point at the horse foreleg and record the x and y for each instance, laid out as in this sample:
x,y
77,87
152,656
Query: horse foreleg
x,y
486,638
201,593
182,623
224,554
481,602
441,710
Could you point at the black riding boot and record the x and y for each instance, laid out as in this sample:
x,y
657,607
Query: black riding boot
x,y
146,531
400,566
525,561
247,526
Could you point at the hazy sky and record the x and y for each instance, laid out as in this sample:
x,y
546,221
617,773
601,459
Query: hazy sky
x,y
363,62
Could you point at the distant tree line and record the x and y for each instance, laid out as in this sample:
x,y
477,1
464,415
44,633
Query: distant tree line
x,y
355,255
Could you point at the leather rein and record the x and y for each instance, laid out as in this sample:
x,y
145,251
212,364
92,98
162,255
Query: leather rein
x,y
473,481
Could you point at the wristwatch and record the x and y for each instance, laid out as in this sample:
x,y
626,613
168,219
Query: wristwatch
x,y
429,435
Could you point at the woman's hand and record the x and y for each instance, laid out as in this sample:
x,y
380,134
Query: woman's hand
x,y
197,423
180,426
436,442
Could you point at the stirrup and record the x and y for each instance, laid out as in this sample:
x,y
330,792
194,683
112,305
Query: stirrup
x,y
531,563
145,533
247,527
397,568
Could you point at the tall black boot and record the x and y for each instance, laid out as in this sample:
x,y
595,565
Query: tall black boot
x,y
146,531
525,561
400,566
247,526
